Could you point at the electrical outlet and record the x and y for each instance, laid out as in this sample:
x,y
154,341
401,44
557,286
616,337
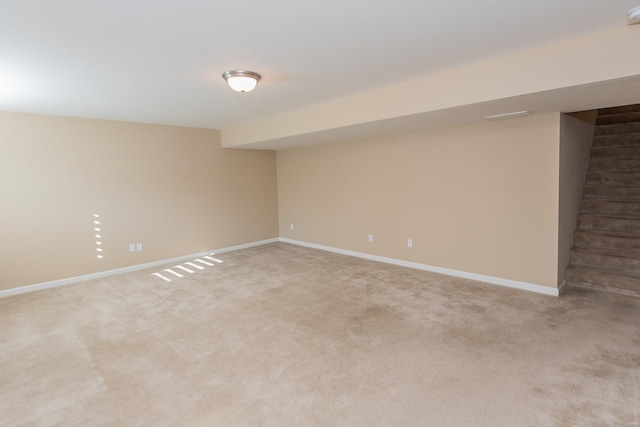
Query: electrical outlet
x,y
371,237
132,247
139,247
291,226
409,243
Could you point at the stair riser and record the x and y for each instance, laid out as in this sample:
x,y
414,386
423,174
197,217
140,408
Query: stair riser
x,y
612,192
609,207
624,109
618,118
610,262
585,239
594,222
602,280
617,129
613,178
614,165
616,140
616,152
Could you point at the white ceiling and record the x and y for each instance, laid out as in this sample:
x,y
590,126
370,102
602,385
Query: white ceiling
x,y
161,61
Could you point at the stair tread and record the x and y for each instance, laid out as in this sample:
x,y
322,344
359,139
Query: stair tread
x,y
625,274
609,169
613,185
593,169
595,197
620,117
618,129
611,233
622,125
590,287
610,215
612,178
613,200
621,172
615,160
624,138
612,135
602,156
616,145
618,110
614,165
606,192
597,148
625,216
629,206
608,252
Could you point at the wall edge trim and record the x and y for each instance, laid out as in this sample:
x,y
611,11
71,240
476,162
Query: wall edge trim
x,y
562,288
546,290
68,281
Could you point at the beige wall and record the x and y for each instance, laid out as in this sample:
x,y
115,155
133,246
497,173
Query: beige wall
x,y
171,188
481,199
576,137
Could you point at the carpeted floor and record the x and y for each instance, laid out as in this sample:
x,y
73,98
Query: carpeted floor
x,y
283,335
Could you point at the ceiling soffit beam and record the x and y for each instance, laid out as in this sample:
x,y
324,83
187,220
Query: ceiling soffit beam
x,y
545,68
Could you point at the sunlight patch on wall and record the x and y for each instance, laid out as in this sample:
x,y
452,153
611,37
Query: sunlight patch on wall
x,y
97,224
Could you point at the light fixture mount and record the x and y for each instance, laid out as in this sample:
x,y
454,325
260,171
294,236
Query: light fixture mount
x,y
241,80
508,115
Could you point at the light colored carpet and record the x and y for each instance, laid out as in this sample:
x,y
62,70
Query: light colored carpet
x,y
282,335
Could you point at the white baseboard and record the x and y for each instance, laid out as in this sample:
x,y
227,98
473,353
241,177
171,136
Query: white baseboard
x,y
456,273
449,272
68,281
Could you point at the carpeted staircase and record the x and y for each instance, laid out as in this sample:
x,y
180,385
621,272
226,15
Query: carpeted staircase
x,y
606,251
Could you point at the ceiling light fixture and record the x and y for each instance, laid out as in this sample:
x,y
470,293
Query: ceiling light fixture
x,y
241,80
634,16
508,115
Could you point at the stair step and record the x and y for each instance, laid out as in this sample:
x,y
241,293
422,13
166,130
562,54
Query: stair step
x,y
610,206
616,140
613,178
630,117
606,252
609,260
616,224
593,239
602,279
614,165
618,129
627,192
616,152
624,109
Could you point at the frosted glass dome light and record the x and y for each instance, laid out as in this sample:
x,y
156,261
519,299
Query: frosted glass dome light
x,y
634,16
241,80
